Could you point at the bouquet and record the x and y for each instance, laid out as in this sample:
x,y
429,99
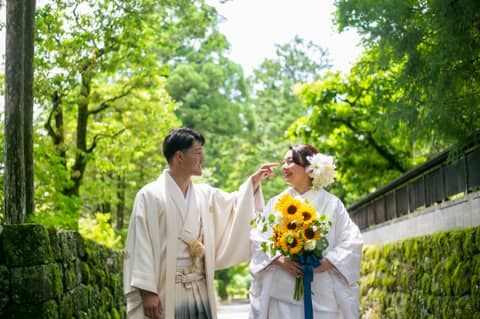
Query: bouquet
x,y
298,231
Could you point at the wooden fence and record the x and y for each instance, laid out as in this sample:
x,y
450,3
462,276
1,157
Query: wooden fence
x,y
433,182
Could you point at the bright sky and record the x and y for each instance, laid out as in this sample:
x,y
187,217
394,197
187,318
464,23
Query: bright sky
x,y
254,27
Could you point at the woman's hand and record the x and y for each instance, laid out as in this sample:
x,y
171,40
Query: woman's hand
x,y
325,265
289,265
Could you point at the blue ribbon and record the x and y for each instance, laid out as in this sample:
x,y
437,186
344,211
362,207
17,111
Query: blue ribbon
x,y
309,262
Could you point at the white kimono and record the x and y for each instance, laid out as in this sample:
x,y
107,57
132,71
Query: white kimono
x,y
335,293
152,239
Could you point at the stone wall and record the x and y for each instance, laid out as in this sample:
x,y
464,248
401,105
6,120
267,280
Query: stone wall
x,y
50,274
431,276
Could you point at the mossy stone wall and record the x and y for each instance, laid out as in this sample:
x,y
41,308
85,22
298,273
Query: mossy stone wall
x,y
434,277
52,274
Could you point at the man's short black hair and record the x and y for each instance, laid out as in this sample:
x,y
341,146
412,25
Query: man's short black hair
x,y
180,139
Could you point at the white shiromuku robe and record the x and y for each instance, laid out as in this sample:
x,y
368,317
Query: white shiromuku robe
x,y
335,293
153,237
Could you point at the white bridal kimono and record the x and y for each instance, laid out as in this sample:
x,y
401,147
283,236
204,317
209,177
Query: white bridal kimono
x,y
335,293
156,224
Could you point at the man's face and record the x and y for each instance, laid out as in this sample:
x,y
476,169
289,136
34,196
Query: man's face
x,y
193,159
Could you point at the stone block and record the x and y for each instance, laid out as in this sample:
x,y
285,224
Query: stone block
x,y
67,306
80,244
45,310
55,243
87,276
26,245
80,300
36,284
4,286
68,246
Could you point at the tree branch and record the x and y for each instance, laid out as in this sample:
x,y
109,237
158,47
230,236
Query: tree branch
x,y
98,137
382,151
107,103
56,100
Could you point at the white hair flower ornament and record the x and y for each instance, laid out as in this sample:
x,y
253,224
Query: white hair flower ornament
x,y
321,170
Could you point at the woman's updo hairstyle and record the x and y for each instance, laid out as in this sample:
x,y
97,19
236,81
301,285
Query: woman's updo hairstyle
x,y
301,152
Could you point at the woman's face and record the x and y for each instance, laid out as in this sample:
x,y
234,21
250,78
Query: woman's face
x,y
293,173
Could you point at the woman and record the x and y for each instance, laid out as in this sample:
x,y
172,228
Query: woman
x,y
335,292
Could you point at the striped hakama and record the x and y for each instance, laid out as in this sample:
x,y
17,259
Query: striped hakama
x,y
191,291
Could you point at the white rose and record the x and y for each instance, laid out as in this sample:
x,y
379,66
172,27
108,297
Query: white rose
x,y
310,244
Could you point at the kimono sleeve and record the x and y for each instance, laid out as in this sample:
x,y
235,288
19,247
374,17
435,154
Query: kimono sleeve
x,y
139,267
347,253
232,213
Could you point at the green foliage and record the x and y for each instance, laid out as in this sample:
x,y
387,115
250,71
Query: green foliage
x,y
425,277
233,283
102,110
349,117
99,230
437,43
275,108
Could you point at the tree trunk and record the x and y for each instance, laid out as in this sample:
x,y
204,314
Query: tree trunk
x,y
14,187
28,105
121,202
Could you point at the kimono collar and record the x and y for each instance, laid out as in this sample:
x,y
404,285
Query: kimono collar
x,y
310,193
175,193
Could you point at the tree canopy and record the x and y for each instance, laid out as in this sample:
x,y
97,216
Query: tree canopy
x,y
435,44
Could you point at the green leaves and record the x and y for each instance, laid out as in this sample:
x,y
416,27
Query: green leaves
x,y
436,45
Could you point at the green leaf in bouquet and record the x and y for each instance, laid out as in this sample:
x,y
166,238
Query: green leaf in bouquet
x,y
322,244
271,218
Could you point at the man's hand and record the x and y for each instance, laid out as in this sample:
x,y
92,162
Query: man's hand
x,y
152,307
265,171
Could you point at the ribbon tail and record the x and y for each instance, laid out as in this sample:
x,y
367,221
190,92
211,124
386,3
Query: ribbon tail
x,y
307,291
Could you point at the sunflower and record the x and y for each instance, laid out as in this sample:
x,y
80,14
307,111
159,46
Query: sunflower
x,y
290,208
291,224
276,236
281,201
311,232
307,213
291,243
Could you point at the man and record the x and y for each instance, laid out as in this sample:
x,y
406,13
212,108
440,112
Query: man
x,y
180,233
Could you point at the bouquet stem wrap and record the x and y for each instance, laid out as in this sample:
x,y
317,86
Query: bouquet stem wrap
x,y
309,262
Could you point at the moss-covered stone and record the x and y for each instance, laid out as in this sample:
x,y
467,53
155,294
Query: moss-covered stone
x,y
26,245
81,300
4,286
45,310
36,284
80,244
84,315
55,243
425,277
94,297
100,276
475,290
68,271
66,306
72,274
85,281
68,246
87,276
2,256
107,298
